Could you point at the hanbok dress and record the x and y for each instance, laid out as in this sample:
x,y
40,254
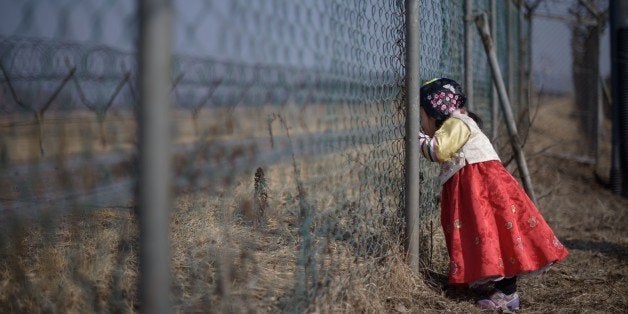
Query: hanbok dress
x,y
492,228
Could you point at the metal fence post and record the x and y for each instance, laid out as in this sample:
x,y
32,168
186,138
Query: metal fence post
x,y
154,199
494,96
619,82
598,121
521,60
529,79
468,53
511,51
412,133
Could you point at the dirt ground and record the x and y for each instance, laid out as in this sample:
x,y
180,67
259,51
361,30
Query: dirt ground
x,y
589,219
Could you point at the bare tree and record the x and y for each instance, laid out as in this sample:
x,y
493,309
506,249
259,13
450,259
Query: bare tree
x,y
590,16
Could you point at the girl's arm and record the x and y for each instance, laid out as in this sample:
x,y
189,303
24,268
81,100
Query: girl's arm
x,y
447,140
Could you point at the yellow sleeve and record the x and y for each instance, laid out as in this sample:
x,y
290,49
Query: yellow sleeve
x,y
450,137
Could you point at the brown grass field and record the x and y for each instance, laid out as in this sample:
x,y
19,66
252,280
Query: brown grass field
x,y
86,261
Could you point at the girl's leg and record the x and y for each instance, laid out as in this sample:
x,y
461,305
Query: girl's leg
x,y
507,286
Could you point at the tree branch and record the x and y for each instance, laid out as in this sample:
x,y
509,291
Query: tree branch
x,y
590,7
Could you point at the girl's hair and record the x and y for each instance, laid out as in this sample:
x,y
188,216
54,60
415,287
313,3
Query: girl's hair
x,y
442,96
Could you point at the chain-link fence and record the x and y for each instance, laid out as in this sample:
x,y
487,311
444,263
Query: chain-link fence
x,y
288,148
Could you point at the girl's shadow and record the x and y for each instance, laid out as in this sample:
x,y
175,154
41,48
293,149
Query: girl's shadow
x,y
437,281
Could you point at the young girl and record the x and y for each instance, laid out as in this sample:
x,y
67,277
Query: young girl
x,y
493,230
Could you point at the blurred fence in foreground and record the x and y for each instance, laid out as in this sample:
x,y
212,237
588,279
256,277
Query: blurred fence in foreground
x,y
288,147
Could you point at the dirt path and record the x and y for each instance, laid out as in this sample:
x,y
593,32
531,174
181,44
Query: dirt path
x,y
589,219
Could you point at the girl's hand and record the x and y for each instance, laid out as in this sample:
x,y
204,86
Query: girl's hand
x,y
423,138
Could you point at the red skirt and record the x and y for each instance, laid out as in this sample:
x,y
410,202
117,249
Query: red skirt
x,y
492,228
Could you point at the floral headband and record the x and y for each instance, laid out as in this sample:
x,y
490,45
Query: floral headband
x,y
441,97
445,101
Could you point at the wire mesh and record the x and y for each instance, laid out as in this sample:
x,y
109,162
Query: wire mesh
x,y
441,55
288,122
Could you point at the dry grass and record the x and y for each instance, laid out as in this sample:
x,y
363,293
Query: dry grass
x,y
87,261
79,263
590,220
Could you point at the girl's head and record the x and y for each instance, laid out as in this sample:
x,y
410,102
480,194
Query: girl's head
x,y
439,99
